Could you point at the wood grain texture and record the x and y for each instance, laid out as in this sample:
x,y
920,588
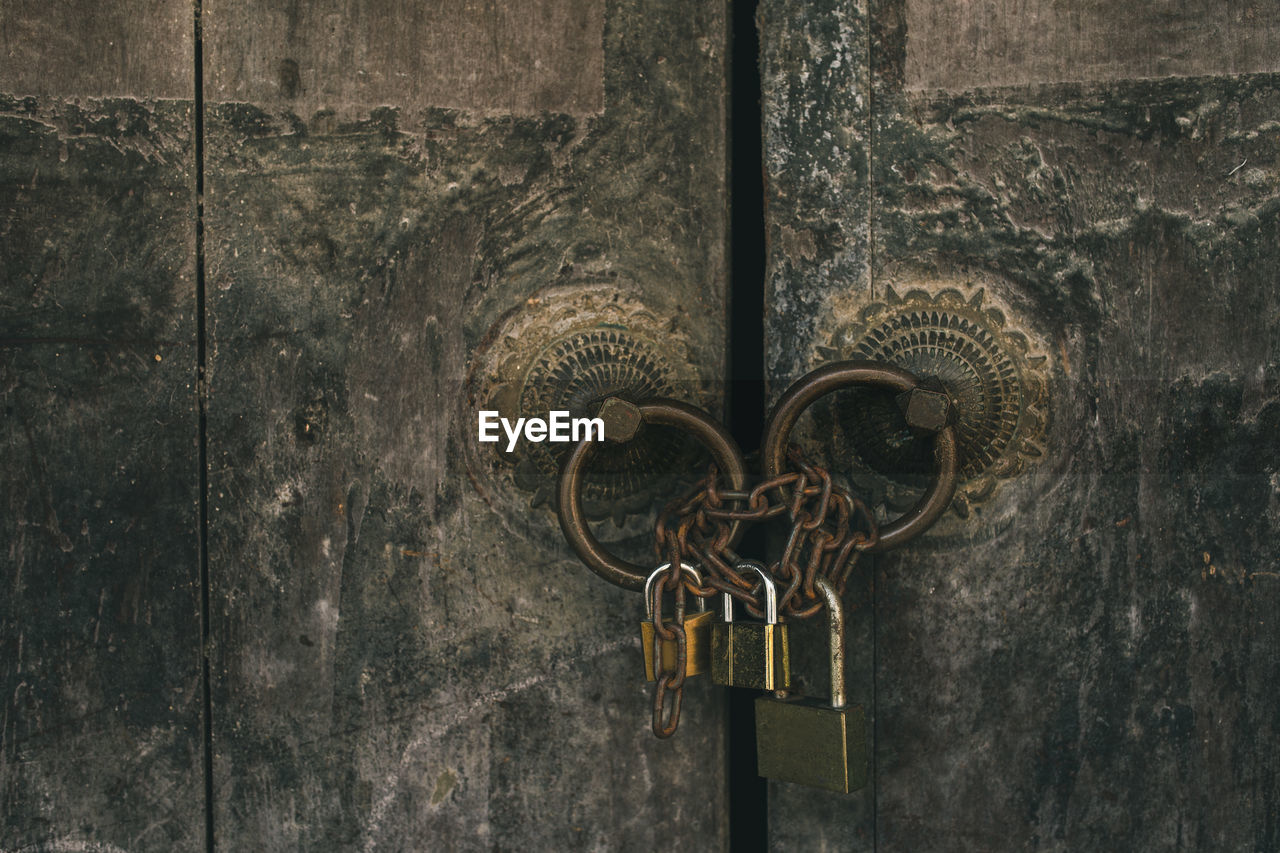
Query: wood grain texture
x,y
397,664
816,115
100,702
817,108
108,49
964,44
349,56
1095,639
1088,661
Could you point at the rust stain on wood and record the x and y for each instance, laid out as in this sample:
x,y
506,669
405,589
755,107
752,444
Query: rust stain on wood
x,y
966,44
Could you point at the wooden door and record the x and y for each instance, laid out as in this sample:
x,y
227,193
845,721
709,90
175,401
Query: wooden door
x,y
412,213
262,263
101,717
1068,211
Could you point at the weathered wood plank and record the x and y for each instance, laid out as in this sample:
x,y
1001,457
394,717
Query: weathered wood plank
x,y
1055,671
350,55
106,49
816,106
406,655
1086,660
100,692
972,43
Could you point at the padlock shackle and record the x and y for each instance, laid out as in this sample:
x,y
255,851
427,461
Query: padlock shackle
x,y
836,624
685,568
770,594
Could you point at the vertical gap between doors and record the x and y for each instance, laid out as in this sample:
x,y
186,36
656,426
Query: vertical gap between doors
x,y
748,793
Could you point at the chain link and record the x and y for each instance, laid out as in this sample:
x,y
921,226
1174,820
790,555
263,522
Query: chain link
x,y
829,527
670,682
829,530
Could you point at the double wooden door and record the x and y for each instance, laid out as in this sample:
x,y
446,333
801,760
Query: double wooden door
x,y
261,262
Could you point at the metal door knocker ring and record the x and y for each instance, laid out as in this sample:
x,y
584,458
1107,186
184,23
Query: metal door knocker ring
x,y
928,409
622,419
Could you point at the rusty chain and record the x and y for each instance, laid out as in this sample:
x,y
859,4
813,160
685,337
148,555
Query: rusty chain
x,y
670,682
829,527
829,530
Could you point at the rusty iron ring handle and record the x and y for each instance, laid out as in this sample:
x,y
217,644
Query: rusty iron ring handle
x,y
569,490
845,374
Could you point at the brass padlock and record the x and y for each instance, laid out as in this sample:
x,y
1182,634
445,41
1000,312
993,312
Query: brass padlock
x,y
697,630
811,742
751,654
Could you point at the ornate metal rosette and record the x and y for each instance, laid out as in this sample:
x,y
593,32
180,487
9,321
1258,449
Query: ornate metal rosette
x,y
993,371
568,349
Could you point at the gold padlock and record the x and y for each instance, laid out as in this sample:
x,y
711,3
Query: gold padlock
x,y
811,742
752,654
697,631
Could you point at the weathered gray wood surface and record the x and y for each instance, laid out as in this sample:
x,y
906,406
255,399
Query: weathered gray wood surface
x,y
351,55
400,661
100,699
106,49
1089,661
963,45
816,110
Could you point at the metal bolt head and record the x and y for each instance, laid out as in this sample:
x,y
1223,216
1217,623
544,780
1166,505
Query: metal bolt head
x,y
927,406
621,418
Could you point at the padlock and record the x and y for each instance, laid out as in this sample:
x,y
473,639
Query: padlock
x,y
751,654
697,630
811,742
